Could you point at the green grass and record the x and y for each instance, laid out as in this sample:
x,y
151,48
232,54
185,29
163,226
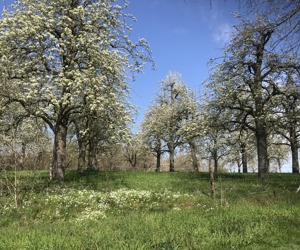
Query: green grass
x,y
151,211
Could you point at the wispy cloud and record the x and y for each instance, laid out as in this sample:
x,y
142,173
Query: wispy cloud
x,y
222,33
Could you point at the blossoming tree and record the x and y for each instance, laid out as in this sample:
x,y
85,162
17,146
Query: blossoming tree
x,y
61,60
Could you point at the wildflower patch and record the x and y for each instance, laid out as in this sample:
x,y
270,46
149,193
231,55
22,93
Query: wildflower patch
x,y
85,205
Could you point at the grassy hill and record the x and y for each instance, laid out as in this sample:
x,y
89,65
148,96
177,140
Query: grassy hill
x,y
143,210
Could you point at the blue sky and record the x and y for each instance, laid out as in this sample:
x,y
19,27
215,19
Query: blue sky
x,y
184,36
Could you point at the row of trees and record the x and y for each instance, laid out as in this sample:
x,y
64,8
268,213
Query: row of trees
x,y
252,99
179,122
64,67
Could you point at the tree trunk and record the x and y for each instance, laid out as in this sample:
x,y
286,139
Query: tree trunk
x,y
158,157
23,155
194,155
132,159
81,160
238,166
279,164
92,161
262,149
260,123
244,158
216,163
212,179
59,152
172,156
81,155
291,112
294,150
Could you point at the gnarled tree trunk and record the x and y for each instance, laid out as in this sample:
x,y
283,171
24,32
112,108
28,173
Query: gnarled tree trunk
x,y
260,122
59,152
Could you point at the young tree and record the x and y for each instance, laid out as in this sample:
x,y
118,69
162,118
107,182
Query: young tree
x,y
176,106
163,124
171,113
136,153
215,139
63,58
278,154
245,142
192,124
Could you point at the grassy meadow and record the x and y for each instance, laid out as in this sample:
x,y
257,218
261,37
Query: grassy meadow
x,y
145,210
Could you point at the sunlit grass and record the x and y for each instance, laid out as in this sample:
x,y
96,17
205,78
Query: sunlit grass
x,y
152,211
